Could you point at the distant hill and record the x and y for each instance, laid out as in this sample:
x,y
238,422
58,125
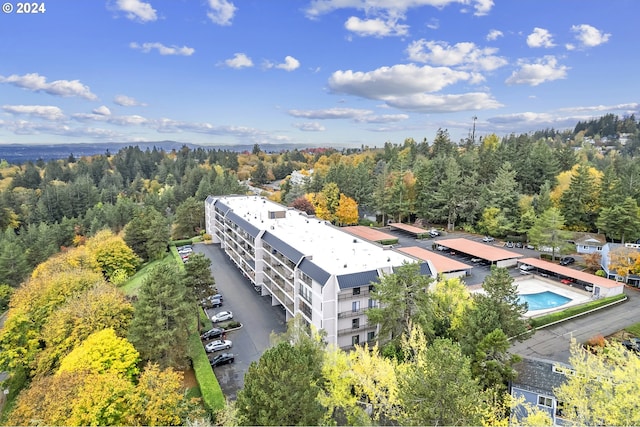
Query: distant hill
x,y
19,153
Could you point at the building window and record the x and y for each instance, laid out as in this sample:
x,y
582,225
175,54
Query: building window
x,y
372,303
355,324
371,336
356,291
355,306
371,288
545,401
355,340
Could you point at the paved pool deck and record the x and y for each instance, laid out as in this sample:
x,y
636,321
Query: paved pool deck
x,y
534,285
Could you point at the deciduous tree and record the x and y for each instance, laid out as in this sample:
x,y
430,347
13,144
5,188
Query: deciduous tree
x,y
601,387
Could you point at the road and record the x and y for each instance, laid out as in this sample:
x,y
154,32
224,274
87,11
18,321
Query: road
x,y
553,342
258,317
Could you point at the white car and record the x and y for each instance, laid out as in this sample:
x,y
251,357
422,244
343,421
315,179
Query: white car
x,y
222,316
218,345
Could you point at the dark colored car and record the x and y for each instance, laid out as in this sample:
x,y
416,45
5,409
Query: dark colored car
x,y
222,359
567,260
212,333
632,344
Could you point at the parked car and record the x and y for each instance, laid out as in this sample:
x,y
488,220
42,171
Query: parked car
x,y
185,250
222,316
218,345
434,233
212,333
509,244
476,260
567,260
632,344
519,245
487,239
530,246
222,359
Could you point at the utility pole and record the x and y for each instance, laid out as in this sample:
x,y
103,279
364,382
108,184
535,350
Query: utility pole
x,y
473,132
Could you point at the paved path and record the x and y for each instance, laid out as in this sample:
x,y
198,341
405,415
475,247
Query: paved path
x,y
553,342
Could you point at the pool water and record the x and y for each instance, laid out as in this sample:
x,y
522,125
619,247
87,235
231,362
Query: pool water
x,y
543,300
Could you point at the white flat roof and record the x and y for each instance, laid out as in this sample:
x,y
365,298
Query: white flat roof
x,y
330,248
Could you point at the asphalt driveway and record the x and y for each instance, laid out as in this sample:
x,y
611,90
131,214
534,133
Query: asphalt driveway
x,y
258,317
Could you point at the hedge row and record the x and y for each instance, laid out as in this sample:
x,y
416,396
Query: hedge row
x,y
212,395
576,310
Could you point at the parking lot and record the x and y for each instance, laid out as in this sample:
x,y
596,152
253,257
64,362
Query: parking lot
x,y
256,314
480,270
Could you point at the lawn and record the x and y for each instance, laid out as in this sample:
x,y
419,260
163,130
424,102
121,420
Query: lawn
x,y
132,285
633,329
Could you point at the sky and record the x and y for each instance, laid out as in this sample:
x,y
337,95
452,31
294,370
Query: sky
x,y
341,73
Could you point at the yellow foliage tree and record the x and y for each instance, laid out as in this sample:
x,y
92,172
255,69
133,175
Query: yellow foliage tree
x,y
112,254
357,379
602,388
347,211
103,306
101,352
451,300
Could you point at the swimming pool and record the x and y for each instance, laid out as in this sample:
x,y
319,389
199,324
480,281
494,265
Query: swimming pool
x,y
543,300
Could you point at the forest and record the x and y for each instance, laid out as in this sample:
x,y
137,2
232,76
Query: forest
x,y
75,230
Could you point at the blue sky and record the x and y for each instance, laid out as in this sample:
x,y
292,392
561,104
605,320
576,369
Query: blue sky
x,y
312,72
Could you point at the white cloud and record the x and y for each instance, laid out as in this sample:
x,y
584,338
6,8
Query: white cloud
x,y
626,108
221,11
37,83
127,101
397,80
290,63
309,127
383,118
376,27
494,35
390,7
137,10
162,49
239,60
540,38
102,110
48,112
437,103
543,70
330,113
589,36
466,55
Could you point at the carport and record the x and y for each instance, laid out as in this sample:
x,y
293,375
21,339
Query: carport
x,y
448,267
418,232
498,257
598,286
370,234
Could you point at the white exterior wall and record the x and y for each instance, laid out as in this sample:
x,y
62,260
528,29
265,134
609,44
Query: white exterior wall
x,y
331,307
507,262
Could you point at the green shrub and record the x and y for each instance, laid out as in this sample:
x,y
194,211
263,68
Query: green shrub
x,y
601,273
389,242
232,325
5,295
366,222
181,242
212,395
575,310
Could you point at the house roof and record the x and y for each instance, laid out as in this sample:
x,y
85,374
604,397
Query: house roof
x,y
584,239
369,233
570,272
477,249
538,375
441,263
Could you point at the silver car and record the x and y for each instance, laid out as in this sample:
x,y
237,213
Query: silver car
x,y
218,345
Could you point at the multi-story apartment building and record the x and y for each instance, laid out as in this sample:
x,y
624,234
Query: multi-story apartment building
x,y
305,264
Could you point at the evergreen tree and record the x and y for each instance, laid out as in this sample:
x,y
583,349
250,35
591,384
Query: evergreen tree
x,y
282,388
548,232
159,327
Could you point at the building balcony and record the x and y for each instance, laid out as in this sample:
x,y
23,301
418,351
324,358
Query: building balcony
x,y
352,313
350,295
355,330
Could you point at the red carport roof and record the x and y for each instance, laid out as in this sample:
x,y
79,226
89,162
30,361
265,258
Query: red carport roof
x,y
570,272
409,228
369,233
481,250
442,264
